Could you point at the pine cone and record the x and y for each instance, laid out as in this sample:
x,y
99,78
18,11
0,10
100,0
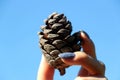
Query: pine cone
x,y
56,38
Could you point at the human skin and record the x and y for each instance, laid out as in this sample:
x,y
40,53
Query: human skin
x,y
91,68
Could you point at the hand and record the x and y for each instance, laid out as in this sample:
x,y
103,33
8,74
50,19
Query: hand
x,y
91,69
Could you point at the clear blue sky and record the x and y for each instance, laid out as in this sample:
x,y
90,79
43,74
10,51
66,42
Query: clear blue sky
x,y
20,21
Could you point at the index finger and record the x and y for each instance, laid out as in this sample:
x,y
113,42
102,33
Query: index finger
x,y
87,44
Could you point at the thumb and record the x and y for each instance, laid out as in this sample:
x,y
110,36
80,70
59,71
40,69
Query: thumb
x,y
75,58
81,58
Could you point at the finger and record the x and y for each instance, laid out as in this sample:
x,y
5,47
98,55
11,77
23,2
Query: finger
x,y
87,44
72,58
88,47
45,72
80,58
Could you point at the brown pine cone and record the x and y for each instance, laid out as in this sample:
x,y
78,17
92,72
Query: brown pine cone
x,y
56,38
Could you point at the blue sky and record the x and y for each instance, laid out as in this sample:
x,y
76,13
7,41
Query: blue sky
x,y
20,21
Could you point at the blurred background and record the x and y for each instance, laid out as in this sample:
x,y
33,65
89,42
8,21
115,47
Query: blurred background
x,y
20,20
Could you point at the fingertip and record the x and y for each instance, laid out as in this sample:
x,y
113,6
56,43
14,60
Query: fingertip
x,y
67,58
84,35
67,55
75,58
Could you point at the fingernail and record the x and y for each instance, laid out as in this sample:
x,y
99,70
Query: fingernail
x,y
67,55
85,34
